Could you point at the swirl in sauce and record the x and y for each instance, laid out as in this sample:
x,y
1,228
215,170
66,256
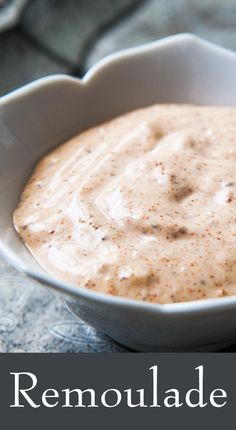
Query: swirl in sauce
x,y
142,206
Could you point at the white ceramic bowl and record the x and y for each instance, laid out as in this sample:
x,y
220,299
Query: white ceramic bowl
x,y
41,115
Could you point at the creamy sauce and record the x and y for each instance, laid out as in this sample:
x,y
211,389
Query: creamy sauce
x,y
142,206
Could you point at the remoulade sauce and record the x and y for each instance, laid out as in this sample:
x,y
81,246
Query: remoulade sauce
x,y
143,206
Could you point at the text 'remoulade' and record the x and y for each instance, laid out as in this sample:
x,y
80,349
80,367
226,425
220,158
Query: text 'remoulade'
x,y
142,206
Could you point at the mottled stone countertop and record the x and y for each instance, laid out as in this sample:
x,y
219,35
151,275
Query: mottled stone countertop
x,y
42,37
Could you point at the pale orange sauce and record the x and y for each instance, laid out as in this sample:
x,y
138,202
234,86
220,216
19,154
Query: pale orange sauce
x,y
142,206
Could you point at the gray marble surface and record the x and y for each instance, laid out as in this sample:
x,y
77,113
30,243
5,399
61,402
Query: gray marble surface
x,y
41,37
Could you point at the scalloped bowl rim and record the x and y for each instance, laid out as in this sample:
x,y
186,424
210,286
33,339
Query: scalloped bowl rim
x,y
65,288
